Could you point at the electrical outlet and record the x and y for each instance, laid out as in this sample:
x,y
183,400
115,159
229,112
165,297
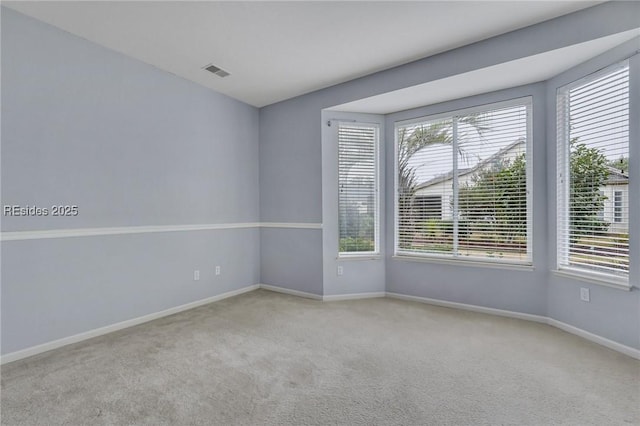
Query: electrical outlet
x,y
217,270
584,294
340,271
196,275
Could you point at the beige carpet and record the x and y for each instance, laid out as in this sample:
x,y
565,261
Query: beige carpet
x,y
267,358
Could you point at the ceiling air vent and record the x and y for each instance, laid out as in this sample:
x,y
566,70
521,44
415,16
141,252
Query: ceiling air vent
x,y
217,71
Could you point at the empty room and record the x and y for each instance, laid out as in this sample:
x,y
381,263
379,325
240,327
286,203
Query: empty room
x,y
310,213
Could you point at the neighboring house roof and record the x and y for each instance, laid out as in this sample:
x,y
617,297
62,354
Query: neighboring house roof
x,y
481,164
616,177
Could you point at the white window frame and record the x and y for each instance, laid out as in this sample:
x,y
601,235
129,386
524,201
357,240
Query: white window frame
x,y
562,204
526,101
618,201
376,184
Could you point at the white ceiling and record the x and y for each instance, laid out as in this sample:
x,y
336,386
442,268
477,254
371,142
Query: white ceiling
x,y
515,73
278,50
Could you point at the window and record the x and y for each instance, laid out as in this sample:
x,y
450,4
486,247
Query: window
x,y
617,206
429,206
358,189
478,161
593,157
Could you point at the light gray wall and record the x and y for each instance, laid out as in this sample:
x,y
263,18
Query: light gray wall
x,y
55,288
291,258
513,290
126,142
291,192
131,146
611,313
290,166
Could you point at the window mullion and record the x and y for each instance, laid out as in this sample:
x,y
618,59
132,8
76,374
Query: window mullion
x,y
455,185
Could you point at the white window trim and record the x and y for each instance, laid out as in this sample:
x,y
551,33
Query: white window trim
x,y
618,206
562,135
526,101
364,255
505,264
593,278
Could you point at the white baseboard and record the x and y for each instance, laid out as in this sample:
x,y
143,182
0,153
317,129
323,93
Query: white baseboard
x,y
352,296
290,291
329,298
466,307
34,350
619,347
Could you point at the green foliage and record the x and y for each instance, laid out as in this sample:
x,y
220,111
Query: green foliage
x,y
496,196
431,228
589,172
356,244
443,229
356,225
621,165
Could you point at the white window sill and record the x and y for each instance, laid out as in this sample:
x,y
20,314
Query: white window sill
x,y
466,262
619,284
358,257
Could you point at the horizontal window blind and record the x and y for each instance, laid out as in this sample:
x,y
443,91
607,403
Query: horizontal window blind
x,y
462,185
593,181
358,188
492,180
